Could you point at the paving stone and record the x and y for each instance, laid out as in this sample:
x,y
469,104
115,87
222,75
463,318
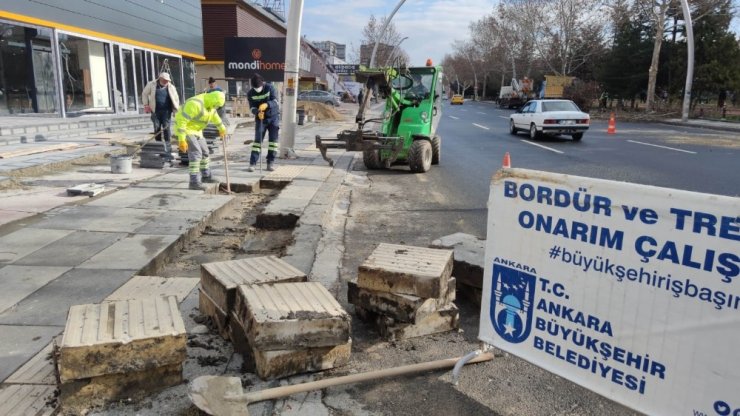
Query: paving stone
x,y
221,279
400,307
23,242
208,307
189,201
135,251
140,287
408,270
123,220
126,198
48,305
445,319
72,217
470,252
38,370
281,176
78,396
302,315
27,400
187,223
121,337
17,282
19,343
284,363
71,250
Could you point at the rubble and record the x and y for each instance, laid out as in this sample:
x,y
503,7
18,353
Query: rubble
x,y
120,349
381,294
468,264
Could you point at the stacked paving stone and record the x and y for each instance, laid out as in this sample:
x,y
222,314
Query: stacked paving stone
x,y
119,350
219,282
290,328
406,291
153,156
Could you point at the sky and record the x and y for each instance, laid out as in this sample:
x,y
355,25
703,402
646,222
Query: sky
x,y
431,25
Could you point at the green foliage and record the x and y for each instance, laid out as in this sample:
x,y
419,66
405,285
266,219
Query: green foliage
x,y
623,71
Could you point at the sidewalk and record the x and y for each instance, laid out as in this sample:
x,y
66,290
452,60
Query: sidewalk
x,y
705,124
81,253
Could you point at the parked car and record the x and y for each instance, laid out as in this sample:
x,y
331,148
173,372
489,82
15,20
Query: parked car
x,y
457,99
550,117
319,96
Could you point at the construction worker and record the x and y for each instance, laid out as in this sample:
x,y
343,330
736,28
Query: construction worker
x,y
193,117
264,105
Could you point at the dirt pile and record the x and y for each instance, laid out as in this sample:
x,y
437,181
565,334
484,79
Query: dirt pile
x,y
320,110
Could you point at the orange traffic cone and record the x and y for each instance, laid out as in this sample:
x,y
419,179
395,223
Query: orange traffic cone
x,y
612,129
507,161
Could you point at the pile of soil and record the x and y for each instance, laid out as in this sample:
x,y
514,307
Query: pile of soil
x,y
320,110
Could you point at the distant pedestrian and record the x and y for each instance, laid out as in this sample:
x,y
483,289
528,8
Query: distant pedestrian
x,y
360,96
263,102
197,113
161,95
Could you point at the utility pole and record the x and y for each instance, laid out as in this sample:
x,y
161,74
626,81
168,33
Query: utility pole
x,y
382,32
690,59
292,61
393,53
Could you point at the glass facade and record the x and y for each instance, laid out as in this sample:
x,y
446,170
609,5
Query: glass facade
x,y
49,71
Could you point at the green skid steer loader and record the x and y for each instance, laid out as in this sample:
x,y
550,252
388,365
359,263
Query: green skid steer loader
x,y
408,129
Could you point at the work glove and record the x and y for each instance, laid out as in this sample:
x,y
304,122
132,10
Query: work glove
x,y
183,146
222,134
263,107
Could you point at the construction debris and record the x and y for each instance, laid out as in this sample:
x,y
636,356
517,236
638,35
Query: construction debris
x,y
89,189
468,264
119,350
406,291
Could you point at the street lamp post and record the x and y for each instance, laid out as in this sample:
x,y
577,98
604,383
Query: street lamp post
x,y
690,58
393,52
292,58
382,32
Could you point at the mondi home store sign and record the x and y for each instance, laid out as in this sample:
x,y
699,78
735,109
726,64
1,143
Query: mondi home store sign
x,y
244,57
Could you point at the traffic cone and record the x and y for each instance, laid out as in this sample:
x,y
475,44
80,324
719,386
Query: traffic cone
x,y
507,161
612,129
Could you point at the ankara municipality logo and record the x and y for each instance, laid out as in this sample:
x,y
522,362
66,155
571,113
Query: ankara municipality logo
x,y
512,302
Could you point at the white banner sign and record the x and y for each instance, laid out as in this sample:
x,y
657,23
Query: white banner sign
x,y
628,290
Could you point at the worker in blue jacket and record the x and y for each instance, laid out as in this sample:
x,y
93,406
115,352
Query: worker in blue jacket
x,y
263,101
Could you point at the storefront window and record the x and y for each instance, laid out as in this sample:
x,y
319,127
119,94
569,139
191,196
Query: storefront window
x,y
188,71
171,64
131,88
26,70
84,74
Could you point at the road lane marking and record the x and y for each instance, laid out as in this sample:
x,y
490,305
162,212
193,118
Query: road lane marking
x,y
662,147
504,117
456,118
542,146
483,127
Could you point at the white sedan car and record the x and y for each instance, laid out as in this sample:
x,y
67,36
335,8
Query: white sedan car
x,y
552,117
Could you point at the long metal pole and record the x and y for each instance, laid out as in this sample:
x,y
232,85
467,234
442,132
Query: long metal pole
x,y
690,58
292,60
395,48
382,32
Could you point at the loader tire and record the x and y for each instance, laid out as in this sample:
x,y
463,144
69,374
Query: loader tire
x,y
371,158
420,156
436,150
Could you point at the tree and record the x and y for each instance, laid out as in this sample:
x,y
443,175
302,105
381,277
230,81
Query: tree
x,y
387,42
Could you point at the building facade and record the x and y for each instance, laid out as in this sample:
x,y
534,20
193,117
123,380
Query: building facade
x,y
80,57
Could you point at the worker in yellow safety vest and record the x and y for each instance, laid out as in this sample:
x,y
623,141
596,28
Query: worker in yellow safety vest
x,y
193,117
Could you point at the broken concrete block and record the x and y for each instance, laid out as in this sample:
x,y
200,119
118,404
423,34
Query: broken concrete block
x,y
279,364
220,279
238,335
77,396
89,189
296,315
443,320
407,270
121,337
470,253
400,307
208,307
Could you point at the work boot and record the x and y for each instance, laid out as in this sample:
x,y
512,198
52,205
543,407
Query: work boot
x,y
195,183
270,166
250,168
208,177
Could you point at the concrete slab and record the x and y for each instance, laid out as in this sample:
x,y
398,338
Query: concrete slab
x,y
278,364
445,319
140,287
27,400
23,242
409,270
284,211
400,307
302,315
17,282
298,254
281,176
221,279
167,223
121,337
123,198
7,216
19,343
72,217
40,199
469,260
49,305
70,250
123,220
133,252
38,370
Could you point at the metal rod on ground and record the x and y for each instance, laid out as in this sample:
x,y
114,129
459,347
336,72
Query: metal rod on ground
x,y
276,392
226,164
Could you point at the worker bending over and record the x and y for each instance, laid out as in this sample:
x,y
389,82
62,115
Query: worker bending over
x,y
193,117
264,105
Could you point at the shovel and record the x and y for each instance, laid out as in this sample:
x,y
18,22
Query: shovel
x,y
223,396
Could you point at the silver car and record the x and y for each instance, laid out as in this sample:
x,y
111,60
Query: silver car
x,y
319,96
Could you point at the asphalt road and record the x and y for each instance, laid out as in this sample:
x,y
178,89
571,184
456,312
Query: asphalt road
x,y
476,136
